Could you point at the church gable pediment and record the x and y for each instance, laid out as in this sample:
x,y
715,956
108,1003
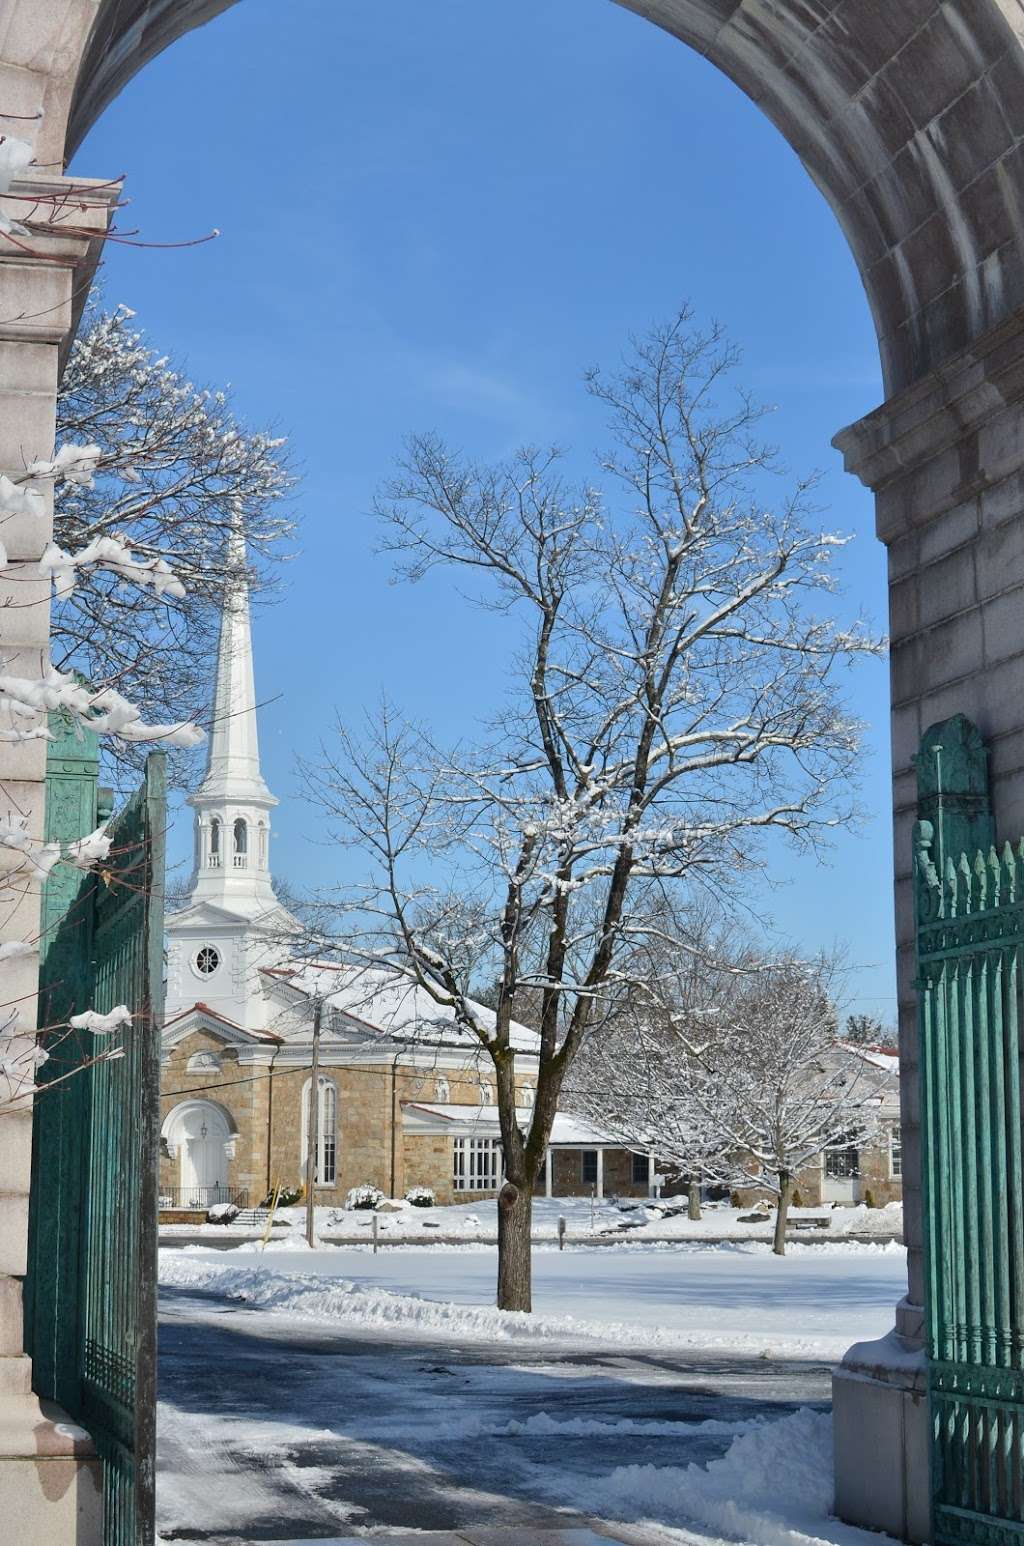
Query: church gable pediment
x,y
202,1019
204,914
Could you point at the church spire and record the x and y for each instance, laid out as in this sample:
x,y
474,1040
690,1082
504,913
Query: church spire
x,y
232,803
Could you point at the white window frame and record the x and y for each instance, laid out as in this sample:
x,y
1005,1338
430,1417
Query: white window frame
x,y
477,1164
896,1152
326,1133
442,1090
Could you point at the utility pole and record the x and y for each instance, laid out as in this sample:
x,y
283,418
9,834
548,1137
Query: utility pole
x,y
312,1127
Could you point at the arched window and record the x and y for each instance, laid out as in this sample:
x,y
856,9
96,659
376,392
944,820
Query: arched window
x,y
215,844
326,1165
241,843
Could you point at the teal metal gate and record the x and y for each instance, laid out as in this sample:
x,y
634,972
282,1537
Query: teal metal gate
x,y
970,955
91,1287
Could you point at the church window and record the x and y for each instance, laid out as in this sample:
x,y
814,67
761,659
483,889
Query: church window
x,y
477,1164
215,844
241,843
207,961
326,1162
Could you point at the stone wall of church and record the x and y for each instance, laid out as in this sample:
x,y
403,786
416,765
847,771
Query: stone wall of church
x,y
243,1091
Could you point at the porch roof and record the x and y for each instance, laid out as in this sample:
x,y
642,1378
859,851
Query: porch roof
x,y
466,1121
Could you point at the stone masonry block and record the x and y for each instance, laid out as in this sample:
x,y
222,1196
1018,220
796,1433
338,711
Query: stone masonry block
x,y
950,531
906,731
944,654
16,1145
904,606
13,1232
11,1317
999,558
26,425
1003,624
946,588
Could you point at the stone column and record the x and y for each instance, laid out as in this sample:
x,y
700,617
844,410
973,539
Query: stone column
x,y
48,1474
945,460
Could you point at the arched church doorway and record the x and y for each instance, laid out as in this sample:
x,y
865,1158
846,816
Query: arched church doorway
x,y
200,1135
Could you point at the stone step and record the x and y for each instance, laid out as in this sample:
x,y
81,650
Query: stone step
x,y
15,1376
50,1484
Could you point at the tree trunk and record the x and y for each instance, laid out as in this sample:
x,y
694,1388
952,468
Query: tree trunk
x,y
693,1198
515,1216
782,1216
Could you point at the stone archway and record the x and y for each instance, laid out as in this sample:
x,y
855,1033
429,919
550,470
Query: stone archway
x,y
909,117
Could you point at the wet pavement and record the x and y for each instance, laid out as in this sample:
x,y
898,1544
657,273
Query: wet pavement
x,y
271,1430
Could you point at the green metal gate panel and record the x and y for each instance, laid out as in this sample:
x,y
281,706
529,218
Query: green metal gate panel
x,y
91,1289
970,954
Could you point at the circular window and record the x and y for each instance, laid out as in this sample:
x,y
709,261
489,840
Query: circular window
x,y
207,961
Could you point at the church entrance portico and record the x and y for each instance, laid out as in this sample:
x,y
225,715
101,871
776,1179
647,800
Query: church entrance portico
x,y
200,1135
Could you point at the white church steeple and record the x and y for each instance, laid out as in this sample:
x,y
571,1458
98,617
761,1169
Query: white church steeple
x,y
233,804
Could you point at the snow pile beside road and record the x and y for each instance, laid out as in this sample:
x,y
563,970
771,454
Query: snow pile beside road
x,y
773,1485
364,1307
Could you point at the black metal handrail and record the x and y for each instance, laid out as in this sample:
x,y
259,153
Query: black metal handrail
x,y
197,1197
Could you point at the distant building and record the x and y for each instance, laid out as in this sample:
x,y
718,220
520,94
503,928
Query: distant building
x,y
869,1172
405,1097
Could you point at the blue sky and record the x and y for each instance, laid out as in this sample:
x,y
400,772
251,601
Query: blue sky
x,y
435,214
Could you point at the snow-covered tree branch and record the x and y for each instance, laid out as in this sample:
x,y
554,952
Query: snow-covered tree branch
x,y
174,475
674,699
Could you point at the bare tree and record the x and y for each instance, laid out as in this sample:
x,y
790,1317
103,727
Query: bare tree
x,y
672,701
781,1089
174,476
645,1078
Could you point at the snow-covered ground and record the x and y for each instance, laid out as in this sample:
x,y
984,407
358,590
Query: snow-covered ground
x,y
658,1393
812,1303
478,1221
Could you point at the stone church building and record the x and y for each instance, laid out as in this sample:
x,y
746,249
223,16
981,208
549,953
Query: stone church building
x,y
405,1099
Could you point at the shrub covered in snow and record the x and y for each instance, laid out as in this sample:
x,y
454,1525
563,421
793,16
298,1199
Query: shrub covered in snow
x,y
289,1196
420,1197
222,1213
364,1196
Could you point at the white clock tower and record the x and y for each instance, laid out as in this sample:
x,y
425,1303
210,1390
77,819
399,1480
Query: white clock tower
x,y
232,925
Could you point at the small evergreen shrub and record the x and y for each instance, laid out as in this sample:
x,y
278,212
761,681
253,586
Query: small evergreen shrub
x,y
364,1196
420,1197
290,1195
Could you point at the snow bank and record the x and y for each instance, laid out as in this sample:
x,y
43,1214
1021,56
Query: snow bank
x,y
773,1486
362,1307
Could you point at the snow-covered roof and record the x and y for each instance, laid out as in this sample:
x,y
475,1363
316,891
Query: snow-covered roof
x,y
567,1131
885,1058
389,1004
